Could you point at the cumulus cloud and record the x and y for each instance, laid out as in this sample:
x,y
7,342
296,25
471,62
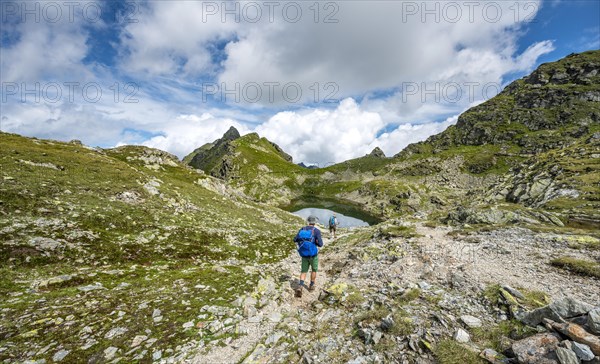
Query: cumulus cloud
x,y
371,60
188,132
381,45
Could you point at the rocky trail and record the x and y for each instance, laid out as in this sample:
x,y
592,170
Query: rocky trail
x,y
386,298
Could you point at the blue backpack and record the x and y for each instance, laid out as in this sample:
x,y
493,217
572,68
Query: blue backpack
x,y
332,221
307,247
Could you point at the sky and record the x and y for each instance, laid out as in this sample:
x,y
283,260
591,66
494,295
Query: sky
x,y
328,81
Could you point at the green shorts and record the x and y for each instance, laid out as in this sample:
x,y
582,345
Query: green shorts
x,y
310,262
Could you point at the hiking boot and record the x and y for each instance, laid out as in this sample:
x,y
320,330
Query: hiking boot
x,y
299,291
311,287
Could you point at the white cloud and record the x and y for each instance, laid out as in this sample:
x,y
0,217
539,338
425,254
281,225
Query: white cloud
x,y
188,132
170,38
371,51
376,45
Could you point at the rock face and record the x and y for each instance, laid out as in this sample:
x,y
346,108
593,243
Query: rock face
x,y
377,152
211,157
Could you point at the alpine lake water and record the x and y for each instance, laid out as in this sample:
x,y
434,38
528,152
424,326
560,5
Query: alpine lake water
x,y
348,215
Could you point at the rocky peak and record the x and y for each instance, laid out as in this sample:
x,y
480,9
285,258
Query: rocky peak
x,y
231,134
377,152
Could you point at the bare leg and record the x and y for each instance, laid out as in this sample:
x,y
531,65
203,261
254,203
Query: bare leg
x,y
313,276
303,276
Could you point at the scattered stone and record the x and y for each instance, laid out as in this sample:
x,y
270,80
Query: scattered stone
x,y
60,355
593,321
539,349
274,338
556,311
275,317
514,292
110,352
188,325
492,356
582,351
387,323
471,321
138,340
116,332
576,333
566,356
89,288
462,336
157,355
376,337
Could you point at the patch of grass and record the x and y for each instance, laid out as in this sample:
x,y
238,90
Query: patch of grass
x,y
584,242
535,299
403,325
578,266
450,352
398,231
372,316
496,337
409,295
354,299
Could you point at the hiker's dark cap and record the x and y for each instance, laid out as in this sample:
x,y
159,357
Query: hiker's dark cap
x,y
312,219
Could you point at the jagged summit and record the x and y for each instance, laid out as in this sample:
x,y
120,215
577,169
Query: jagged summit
x,y
377,152
231,134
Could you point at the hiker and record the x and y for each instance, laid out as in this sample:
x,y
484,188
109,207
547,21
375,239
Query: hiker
x,y
333,223
308,239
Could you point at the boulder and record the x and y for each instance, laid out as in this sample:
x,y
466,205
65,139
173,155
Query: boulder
x,y
537,349
566,356
582,351
593,321
462,336
470,321
556,311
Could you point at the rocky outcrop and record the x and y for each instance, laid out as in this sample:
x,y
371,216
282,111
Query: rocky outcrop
x,y
212,157
377,153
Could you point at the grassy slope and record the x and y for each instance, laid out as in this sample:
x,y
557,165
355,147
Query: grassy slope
x,y
157,248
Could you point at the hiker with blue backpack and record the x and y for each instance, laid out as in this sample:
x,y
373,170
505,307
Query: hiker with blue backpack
x,y
333,224
308,239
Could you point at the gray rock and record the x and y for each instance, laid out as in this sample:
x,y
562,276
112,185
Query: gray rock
x,y
274,338
157,355
537,349
138,340
60,355
188,325
89,288
376,337
593,321
470,321
513,292
117,331
275,317
387,323
110,352
556,311
566,356
582,351
570,307
462,336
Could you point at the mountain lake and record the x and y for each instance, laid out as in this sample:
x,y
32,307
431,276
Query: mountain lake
x,y
348,214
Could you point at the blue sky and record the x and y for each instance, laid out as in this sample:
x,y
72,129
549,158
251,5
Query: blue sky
x,y
328,85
